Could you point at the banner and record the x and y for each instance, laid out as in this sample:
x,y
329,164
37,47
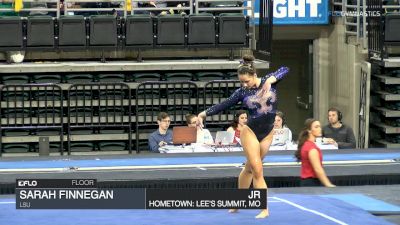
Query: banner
x,y
297,12
84,194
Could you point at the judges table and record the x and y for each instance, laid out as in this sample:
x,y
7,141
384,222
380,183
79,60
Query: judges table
x,y
203,148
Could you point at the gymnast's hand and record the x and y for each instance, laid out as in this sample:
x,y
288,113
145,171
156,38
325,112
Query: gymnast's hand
x,y
264,92
200,119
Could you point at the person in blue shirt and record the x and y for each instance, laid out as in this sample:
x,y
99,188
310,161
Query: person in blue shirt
x,y
162,136
259,96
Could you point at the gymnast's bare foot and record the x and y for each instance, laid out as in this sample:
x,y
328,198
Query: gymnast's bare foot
x,y
263,214
233,210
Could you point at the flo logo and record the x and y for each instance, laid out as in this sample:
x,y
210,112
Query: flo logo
x,y
296,8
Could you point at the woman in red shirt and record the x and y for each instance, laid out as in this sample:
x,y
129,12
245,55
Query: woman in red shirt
x,y
312,171
238,123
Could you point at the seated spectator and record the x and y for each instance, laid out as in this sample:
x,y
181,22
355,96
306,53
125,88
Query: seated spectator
x,y
280,123
7,4
310,156
203,135
158,4
238,122
162,136
336,132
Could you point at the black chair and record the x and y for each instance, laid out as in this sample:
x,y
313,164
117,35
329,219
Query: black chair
x,y
11,35
176,76
40,33
170,30
72,31
47,78
111,77
141,77
103,31
201,29
392,27
139,31
233,30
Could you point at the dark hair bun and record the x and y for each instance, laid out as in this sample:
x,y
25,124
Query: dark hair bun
x,y
248,59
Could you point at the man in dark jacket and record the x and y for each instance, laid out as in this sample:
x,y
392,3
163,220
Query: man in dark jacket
x,y
338,133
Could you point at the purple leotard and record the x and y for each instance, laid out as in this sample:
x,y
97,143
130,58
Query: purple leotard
x,y
261,110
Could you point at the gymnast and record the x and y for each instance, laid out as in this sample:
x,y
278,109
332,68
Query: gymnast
x,y
259,96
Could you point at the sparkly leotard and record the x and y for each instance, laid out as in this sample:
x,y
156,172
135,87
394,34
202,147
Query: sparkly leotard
x,y
261,109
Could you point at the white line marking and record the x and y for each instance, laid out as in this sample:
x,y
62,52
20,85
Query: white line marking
x,y
79,169
311,211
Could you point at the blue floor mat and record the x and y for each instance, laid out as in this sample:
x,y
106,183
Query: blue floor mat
x,y
284,208
62,163
366,203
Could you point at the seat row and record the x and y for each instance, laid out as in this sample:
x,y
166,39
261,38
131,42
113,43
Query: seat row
x,y
117,77
111,32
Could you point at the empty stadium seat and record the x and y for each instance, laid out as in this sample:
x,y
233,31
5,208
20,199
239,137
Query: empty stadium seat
x,y
232,75
103,31
48,113
170,30
112,146
72,31
79,95
232,29
82,147
111,77
14,96
392,27
79,78
201,29
11,35
15,148
47,78
44,95
81,112
176,76
211,75
139,31
40,32
15,79
141,77
16,113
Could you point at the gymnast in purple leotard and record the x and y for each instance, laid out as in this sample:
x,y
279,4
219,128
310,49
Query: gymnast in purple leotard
x,y
259,96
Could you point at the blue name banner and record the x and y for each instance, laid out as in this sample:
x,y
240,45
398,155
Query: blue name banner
x,y
297,12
